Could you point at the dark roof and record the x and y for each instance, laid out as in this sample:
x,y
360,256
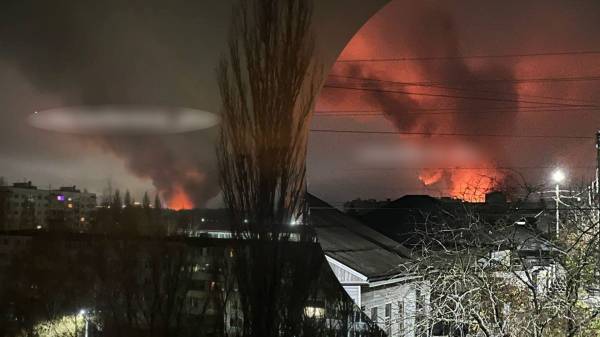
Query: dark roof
x,y
402,218
357,246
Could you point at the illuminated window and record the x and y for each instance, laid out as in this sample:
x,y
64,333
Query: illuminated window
x,y
70,205
314,312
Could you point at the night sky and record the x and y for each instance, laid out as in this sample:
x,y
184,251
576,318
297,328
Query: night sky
x,y
492,95
68,53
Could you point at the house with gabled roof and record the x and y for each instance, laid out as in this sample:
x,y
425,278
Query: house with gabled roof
x,y
371,268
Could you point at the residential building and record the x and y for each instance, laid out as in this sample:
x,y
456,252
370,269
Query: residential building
x,y
25,206
371,268
193,274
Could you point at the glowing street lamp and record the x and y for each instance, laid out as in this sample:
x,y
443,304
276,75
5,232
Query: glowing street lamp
x,y
83,313
558,176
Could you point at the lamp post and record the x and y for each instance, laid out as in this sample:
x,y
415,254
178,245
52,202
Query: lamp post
x,y
83,313
558,176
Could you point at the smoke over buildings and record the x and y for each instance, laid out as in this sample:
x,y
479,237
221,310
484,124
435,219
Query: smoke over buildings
x,y
157,53
426,87
113,52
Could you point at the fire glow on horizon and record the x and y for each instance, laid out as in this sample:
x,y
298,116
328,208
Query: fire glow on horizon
x,y
180,200
388,70
468,185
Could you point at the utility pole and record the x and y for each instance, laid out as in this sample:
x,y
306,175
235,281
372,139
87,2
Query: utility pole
x,y
596,184
557,206
558,176
596,193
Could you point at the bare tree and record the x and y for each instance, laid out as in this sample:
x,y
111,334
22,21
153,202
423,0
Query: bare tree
x,y
507,278
268,82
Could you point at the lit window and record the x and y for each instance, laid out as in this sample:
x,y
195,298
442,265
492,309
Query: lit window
x,y
314,312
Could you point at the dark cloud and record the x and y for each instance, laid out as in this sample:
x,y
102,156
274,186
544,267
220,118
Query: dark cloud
x,y
149,52
458,90
469,103
126,52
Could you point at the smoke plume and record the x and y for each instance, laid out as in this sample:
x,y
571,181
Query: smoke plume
x,y
114,52
451,86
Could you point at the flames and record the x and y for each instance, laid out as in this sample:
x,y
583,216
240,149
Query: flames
x,y
431,176
179,200
466,184
183,192
460,166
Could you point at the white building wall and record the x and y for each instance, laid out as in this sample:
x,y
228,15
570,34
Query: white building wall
x,y
401,297
355,294
400,294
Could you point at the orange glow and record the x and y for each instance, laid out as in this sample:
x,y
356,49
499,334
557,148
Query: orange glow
x,y
472,185
430,176
180,200
468,185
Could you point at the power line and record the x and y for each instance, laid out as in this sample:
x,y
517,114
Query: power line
x,y
453,108
470,168
439,86
517,210
456,96
516,80
462,57
454,111
449,134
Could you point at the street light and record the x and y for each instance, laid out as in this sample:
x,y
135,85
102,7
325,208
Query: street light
x,y
558,176
83,313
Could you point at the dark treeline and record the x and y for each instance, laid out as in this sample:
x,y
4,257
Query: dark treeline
x,y
120,215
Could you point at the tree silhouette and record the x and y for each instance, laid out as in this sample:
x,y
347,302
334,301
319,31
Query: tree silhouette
x,y
268,82
268,85
146,200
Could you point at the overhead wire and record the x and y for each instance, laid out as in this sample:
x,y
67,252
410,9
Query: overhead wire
x,y
494,99
434,112
452,134
479,56
440,86
515,80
